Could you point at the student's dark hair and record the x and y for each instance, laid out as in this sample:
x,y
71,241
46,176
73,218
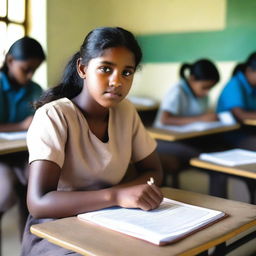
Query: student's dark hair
x,y
202,69
93,46
24,49
249,63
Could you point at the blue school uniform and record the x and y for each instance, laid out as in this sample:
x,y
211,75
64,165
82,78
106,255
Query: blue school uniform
x,y
15,105
237,93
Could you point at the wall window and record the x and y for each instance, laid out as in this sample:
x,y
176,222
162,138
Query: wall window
x,y
13,23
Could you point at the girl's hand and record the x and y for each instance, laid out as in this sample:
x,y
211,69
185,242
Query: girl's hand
x,y
26,123
146,197
209,117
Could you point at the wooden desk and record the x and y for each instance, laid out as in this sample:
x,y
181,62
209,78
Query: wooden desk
x,y
244,171
250,122
173,136
88,239
12,146
144,103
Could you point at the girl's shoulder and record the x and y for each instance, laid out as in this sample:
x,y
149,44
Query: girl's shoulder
x,y
62,106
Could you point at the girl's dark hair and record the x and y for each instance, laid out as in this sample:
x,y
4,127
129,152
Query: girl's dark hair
x,y
24,49
249,63
202,69
93,46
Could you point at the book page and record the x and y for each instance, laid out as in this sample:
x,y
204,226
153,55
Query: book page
x,y
225,119
171,220
13,135
231,157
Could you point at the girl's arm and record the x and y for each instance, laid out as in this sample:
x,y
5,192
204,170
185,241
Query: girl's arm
x,y
44,201
14,127
169,119
241,114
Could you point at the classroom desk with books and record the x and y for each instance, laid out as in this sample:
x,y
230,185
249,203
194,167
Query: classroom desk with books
x,y
168,135
90,239
12,146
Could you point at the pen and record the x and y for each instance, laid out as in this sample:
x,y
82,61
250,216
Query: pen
x,y
151,181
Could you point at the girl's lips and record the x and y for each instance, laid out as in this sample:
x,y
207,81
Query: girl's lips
x,y
113,95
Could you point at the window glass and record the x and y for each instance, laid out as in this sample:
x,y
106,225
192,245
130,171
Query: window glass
x,y
14,32
2,8
3,41
16,10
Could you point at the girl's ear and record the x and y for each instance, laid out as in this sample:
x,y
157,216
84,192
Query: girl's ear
x,y
81,68
9,59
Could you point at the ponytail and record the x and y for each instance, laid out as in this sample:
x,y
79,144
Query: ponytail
x,y
182,70
69,87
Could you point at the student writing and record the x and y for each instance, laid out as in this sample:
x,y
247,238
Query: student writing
x,y
187,101
85,134
239,94
17,92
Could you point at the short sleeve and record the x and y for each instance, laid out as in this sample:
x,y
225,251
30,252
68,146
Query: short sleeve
x,y
142,144
232,96
47,136
172,101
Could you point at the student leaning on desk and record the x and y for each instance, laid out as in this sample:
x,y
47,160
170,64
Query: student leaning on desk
x,y
83,137
239,96
187,102
17,91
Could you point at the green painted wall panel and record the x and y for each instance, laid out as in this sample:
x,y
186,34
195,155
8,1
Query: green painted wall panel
x,y
232,44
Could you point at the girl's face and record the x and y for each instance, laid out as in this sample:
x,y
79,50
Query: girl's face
x,y
108,78
21,71
251,76
201,88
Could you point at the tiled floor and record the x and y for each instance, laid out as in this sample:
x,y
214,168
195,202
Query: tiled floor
x,y
11,243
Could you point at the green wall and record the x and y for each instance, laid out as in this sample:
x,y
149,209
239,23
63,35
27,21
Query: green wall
x,y
234,43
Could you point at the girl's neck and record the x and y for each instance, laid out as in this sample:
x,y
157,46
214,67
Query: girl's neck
x,y
90,108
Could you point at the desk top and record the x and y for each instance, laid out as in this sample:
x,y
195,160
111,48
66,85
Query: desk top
x,y
12,146
246,170
250,122
90,239
161,134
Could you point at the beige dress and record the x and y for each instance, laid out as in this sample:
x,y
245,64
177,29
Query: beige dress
x,y
60,133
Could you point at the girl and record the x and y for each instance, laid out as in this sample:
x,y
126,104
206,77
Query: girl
x,y
242,87
17,91
85,134
187,101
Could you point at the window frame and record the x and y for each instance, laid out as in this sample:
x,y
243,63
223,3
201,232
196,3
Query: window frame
x,y
6,20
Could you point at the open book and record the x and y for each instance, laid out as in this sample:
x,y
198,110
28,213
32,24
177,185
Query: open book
x,y
225,119
13,135
170,222
230,157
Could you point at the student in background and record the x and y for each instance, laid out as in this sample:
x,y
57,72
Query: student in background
x,y
186,102
17,92
239,94
239,97
83,137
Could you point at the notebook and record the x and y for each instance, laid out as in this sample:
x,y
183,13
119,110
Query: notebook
x,y
170,222
230,157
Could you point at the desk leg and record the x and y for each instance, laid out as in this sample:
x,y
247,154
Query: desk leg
x,y
251,187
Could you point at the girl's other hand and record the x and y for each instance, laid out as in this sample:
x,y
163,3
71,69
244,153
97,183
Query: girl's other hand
x,y
26,123
209,117
146,197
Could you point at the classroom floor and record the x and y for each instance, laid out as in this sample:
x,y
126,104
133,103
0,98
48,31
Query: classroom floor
x,y
11,244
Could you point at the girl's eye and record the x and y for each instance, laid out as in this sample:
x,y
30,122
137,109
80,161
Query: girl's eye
x,y
127,73
105,69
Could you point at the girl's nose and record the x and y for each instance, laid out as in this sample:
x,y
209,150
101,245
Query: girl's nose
x,y
115,81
